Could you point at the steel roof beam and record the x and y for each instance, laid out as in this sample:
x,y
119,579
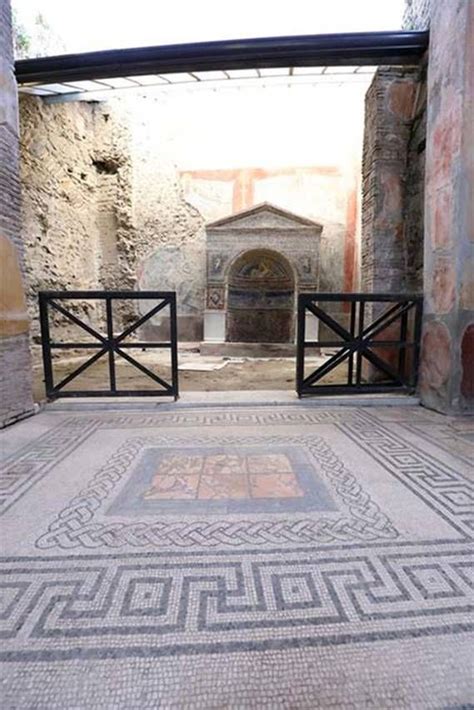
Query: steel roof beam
x,y
360,48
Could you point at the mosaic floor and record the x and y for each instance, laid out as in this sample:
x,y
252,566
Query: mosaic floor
x,y
240,557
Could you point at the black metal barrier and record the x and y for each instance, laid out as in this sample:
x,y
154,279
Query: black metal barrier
x,y
110,345
377,360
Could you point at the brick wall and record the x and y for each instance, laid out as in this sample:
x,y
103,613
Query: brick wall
x,y
414,189
392,187
15,367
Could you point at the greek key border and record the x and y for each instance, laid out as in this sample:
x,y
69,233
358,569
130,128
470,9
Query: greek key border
x,y
92,598
442,488
23,469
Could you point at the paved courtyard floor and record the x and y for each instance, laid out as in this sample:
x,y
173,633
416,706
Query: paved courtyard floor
x,y
237,557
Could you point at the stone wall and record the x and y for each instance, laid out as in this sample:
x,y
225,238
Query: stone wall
x,y
393,181
75,178
15,365
447,366
417,14
169,235
94,217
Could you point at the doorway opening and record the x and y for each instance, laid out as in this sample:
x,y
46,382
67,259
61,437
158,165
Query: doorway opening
x,y
226,209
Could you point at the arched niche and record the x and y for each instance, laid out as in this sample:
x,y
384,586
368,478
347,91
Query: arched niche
x,y
260,298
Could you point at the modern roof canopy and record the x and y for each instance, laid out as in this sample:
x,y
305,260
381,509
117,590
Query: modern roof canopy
x,y
154,65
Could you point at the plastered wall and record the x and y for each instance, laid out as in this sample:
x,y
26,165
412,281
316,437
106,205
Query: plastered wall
x,y
447,353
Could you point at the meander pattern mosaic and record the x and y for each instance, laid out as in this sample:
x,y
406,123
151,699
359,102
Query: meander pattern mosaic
x,y
198,532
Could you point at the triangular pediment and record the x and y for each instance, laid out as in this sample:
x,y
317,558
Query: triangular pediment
x,y
264,216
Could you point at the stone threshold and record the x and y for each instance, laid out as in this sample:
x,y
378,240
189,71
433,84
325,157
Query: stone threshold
x,y
269,398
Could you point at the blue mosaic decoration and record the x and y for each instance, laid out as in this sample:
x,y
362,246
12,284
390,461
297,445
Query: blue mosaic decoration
x,y
222,480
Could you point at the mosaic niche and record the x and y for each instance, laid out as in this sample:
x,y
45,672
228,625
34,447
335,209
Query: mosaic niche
x,y
262,257
216,298
216,265
260,298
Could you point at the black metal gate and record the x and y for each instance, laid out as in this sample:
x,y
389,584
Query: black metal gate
x,y
110,345
381,355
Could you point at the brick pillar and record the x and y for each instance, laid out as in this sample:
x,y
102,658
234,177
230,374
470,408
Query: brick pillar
x,y
391,244
447,364
389,109
15,364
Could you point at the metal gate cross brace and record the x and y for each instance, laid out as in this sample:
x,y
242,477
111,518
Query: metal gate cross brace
x,y
110,344
360,345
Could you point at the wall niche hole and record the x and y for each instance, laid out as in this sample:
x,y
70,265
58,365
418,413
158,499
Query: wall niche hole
x,y
107,166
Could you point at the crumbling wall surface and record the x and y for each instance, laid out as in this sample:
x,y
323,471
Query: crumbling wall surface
x,y
169,237
15,365
447,353
73,168
417,14
97,204
59,186
392,188
112,169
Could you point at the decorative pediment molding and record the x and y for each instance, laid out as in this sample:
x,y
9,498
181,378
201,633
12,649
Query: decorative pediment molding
x,y
264,216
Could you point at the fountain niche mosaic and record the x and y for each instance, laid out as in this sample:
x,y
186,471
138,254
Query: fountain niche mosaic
x,y
260,299
257,263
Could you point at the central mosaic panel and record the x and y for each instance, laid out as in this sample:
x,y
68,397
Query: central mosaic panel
x,y
223,479
224,491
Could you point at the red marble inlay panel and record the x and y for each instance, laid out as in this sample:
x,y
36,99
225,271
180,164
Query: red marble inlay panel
x,y
167,487
274,485
180,465
223,476
269,463
216,486
224,464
